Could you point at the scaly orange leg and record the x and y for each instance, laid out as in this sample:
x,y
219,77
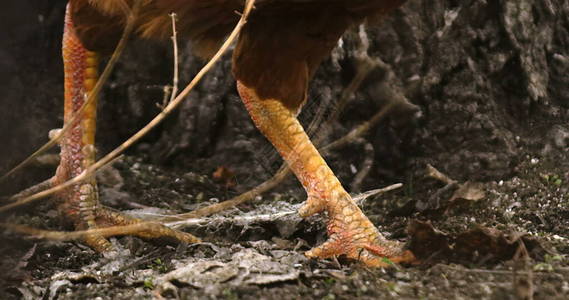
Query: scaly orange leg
x,y
350,231
80,203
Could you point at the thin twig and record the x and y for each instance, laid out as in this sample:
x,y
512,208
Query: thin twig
x,y
358,131
167,110
450,184
361,197
183,221
438,175
175,80
173,90
523,283
365,167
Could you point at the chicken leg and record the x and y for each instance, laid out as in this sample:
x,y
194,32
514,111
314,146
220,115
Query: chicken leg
x,y
79,203
350,231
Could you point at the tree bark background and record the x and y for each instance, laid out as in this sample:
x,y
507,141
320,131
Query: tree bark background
x,y
490,77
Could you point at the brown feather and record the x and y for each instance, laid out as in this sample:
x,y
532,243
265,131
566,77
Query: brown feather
x,y
111,7
279,48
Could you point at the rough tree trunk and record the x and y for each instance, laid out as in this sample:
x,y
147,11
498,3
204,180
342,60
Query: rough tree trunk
x,y
490,79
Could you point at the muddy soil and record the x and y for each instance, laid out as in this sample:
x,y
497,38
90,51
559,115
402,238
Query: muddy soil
x,y
490,93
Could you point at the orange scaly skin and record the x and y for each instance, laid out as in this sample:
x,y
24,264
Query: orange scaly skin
x,y
350,231
80,203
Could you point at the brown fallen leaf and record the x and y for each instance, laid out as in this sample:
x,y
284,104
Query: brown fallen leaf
x,y
478,245
468,192
426,242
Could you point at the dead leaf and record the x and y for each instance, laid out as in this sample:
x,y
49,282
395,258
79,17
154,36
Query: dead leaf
x,y
247,266
426,241
477,245
471,191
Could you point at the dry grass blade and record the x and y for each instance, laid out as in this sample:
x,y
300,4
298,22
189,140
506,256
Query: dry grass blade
x,y
80,234
184,221
175,79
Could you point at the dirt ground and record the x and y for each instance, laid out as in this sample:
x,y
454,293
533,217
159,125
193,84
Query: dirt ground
x,y
490,93
252,253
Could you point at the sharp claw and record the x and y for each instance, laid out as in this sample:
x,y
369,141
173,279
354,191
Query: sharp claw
x,y
353,235
332,247
375,249
373,255
370,259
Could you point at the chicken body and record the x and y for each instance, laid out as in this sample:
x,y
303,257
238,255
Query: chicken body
x,y
277,53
